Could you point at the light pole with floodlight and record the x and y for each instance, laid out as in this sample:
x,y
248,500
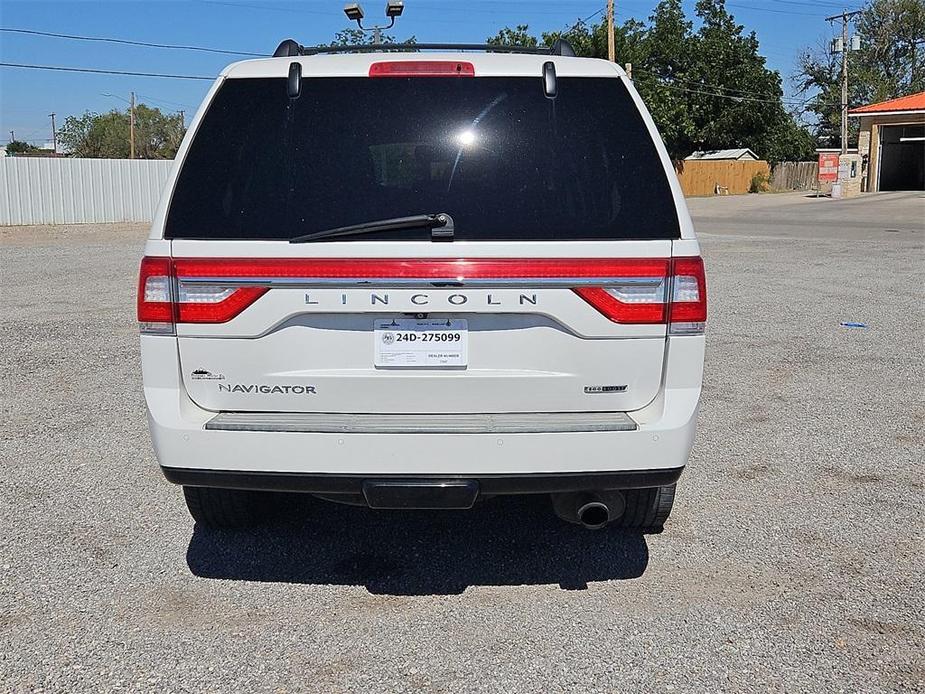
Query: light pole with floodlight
x,y
393,9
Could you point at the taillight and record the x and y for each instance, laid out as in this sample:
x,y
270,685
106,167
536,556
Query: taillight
x,y
164,299
636,295
625,290
674,292
687,313
155,296
422,68
567,272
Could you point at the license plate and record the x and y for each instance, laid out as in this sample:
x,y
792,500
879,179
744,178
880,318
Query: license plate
x,y
430,342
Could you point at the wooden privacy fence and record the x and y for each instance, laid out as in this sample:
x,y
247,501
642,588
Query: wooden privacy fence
x,y
795,175
718,177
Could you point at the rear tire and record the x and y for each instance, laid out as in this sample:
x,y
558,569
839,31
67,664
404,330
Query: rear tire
x,y
647,509
225,508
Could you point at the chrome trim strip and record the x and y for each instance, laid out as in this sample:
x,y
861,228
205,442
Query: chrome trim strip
x,y
449,283
345,423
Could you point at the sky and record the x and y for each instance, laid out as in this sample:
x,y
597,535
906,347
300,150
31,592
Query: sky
x,y
27,97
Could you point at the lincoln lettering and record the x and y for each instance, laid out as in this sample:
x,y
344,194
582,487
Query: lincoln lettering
x,y
383,299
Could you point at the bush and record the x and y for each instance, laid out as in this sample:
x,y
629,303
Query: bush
x,y
19,147
759,183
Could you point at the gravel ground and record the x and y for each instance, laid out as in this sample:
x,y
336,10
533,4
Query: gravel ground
x,y
792,562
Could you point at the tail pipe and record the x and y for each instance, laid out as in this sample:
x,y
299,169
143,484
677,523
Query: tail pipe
x,y
591,510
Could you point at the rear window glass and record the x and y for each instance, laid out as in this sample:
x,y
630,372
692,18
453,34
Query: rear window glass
x,y
505,161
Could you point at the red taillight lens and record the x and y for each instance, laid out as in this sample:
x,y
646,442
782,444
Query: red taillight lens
x,y
620,311
674,292
445,269
634,292
198,303
625,290
155,288
422,68
164,300
687,313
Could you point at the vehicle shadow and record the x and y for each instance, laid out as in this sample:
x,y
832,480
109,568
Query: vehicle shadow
x,y
505,541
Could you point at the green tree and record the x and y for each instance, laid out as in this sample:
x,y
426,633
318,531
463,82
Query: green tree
x,y
107,135
818,78
889,64
588,40
737,100
708,89
787,140
20,147
661,72
518,36
358,37
892,59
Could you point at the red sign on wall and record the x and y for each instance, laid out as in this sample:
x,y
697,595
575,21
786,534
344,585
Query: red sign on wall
x,y
828,167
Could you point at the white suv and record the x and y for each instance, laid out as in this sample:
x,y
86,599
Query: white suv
x,y
419,280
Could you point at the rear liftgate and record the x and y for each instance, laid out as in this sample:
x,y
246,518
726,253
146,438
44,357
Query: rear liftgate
x,y
585,324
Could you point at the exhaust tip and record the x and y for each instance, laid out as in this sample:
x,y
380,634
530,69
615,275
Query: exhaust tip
x,y
594,515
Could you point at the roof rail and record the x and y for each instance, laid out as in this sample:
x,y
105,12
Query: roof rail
x,y
290,48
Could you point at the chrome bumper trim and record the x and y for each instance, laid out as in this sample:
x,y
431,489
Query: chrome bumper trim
x,y
341,423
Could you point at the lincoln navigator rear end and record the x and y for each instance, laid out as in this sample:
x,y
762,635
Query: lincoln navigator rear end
x,y
423,280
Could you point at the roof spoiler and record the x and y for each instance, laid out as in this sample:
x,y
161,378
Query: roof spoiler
x,y
290,48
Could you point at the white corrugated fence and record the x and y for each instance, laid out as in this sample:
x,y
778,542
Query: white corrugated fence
x,y
38,190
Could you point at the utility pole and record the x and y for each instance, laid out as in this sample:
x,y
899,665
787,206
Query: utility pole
x,y
54,134
131,127
12,136
183,118
611,47
845,48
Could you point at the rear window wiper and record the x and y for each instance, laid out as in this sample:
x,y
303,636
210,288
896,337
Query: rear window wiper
x,y
440,225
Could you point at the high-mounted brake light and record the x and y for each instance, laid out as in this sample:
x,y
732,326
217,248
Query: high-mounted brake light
x,y
422,68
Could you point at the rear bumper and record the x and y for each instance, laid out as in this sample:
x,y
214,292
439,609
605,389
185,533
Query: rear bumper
x,y
487,485
190,452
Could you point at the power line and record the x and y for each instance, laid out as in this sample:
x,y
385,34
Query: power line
x,y
115,96
782,101
106,72
166,102
733,97
771,9
803,3
269,8
570,28
128,42
721,89
732,92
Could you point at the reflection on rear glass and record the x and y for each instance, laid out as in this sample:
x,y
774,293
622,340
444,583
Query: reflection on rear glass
x,y
505,161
